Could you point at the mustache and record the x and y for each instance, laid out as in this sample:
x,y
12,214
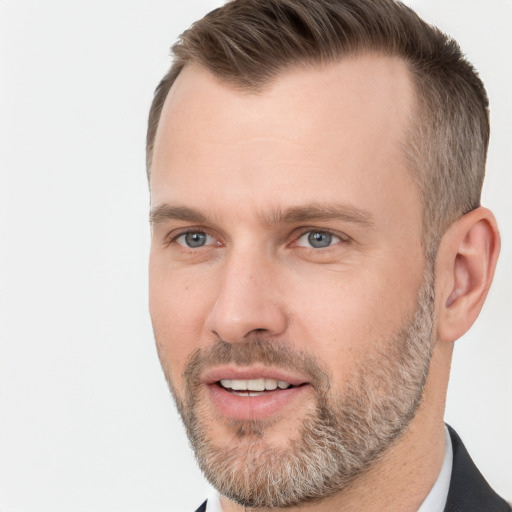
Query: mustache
x,y
256,351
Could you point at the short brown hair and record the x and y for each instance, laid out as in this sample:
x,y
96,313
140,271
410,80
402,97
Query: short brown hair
x,y
247,43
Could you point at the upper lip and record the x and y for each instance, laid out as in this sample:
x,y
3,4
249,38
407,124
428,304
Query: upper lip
x,y
248,373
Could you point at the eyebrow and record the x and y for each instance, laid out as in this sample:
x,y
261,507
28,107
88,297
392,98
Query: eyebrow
x,y
297,214
166,212
321,212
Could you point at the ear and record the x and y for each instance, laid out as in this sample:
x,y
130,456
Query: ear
x,y
465,266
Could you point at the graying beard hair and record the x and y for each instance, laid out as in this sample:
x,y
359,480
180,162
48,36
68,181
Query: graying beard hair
x,y
339,441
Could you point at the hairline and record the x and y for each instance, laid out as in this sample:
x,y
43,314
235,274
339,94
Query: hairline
x,y
410,132
260,88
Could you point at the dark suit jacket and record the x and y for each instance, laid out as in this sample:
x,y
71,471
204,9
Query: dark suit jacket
x,y
469,491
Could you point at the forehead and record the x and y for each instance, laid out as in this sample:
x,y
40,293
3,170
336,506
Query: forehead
x,y
307,134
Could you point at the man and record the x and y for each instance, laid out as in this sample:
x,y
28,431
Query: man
x,y
318,245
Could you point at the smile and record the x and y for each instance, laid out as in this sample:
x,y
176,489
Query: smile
x,y
253,393
253,387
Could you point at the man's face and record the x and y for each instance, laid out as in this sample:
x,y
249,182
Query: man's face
x,y
286,269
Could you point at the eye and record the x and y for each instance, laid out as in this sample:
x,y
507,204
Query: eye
x,y
318,239
194,239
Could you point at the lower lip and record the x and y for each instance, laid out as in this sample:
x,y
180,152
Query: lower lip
x,y
258,407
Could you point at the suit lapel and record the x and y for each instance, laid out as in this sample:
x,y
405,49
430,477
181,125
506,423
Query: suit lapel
x,y
202,508
469,491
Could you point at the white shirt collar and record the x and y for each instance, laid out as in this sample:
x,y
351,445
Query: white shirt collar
x,y
434,502
213,503
436,498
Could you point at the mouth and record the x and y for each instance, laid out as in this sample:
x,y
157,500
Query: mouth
x,y
252,394
253,387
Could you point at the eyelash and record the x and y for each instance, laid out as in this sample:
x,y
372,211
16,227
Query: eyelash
x,y
343,239
172,238
341,236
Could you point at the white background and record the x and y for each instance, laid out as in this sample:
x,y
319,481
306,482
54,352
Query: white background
x,y
86,421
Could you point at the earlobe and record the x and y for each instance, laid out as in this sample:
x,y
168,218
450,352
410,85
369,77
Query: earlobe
x,y
466,262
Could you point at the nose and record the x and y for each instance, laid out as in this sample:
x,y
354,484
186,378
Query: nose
x,y
248,301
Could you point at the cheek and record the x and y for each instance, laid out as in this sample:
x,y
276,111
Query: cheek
x,y
177,307
344,319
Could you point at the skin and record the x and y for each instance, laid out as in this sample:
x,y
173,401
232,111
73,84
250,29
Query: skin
x,y
327,137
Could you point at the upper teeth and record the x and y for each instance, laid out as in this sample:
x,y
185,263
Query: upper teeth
x,y
254,384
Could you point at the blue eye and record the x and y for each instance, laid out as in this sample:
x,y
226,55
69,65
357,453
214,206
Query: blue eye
x,y
318,239
194,239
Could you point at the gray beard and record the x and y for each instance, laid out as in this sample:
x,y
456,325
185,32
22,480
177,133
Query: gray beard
x,y
339,440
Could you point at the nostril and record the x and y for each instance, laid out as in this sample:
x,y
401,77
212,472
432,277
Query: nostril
x,y
258,331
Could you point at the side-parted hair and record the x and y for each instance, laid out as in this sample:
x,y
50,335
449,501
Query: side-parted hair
x,y
248,43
